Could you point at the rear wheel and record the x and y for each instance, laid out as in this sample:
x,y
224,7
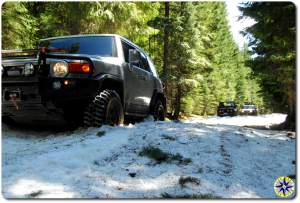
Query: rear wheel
x,y
106,108
159,111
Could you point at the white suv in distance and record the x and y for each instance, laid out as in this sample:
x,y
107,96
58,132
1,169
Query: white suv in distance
x,y
248,109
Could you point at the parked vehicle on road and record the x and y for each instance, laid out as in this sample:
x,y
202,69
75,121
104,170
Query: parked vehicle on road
x,y
248,109
227,109
88,79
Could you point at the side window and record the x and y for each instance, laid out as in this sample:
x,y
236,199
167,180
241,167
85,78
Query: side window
x,y
126,48
144,62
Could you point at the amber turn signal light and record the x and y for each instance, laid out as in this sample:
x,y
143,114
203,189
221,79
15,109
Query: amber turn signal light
x,y
85,68
75,67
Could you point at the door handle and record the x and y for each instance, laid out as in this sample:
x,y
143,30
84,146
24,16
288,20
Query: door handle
x,y
141,76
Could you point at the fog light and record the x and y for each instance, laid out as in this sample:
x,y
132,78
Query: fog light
x,y
66,82
56,85
28,69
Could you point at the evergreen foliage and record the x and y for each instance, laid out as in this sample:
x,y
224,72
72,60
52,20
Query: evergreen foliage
x,y
274,42
18,26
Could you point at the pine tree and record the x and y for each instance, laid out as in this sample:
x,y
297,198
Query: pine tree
x,y
273,41
18,26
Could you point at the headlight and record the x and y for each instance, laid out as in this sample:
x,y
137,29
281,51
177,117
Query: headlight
x,y
59,69
28,69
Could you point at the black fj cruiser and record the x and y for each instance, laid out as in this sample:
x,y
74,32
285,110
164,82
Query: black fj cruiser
x,y
227,109
92,79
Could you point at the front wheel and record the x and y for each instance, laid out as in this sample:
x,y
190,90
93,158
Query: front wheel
x,y
159,111
106,108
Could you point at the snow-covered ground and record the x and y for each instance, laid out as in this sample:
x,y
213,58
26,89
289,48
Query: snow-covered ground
x,y
262,120
227,160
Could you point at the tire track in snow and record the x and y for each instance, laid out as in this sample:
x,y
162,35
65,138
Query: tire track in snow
x,y
226,159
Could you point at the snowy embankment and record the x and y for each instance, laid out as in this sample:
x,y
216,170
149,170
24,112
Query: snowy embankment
x,y
207,158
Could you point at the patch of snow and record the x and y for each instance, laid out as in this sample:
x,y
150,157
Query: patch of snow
x,y
262,120
229,160
29,188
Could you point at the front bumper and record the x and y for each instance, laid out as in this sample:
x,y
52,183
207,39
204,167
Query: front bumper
x,y
226,112
248,113
41,101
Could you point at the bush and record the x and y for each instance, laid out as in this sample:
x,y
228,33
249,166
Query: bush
x,y
154,153
160,156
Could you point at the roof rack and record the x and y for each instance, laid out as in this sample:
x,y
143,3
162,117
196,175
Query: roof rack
x,y
20,53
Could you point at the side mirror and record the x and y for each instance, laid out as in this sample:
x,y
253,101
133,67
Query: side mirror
x,y
134,56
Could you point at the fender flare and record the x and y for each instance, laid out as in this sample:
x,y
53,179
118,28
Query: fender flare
x,y
102,77
154,98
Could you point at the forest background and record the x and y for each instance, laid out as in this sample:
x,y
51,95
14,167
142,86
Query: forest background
x,y
190,43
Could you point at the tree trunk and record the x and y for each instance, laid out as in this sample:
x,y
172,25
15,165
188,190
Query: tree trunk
x,y
166,45
290,122
177,103
74,21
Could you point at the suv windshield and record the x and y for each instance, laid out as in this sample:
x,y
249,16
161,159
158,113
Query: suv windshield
x,y
227,104
248,107
91,45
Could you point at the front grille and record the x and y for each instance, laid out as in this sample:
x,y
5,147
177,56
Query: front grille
x,y
16,67
14,71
